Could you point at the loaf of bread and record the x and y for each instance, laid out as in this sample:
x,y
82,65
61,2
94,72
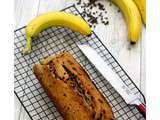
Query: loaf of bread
x,y
71,90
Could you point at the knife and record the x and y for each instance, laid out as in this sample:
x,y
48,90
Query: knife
x,y
129,97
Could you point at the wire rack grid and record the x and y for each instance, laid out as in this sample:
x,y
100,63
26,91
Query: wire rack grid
x,y
55,40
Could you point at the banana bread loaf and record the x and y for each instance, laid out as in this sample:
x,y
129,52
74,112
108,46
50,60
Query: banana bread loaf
x,y
71,90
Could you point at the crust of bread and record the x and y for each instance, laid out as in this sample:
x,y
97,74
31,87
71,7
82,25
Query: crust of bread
x,y
71,90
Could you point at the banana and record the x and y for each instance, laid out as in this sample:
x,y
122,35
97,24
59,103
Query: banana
x,y
133,18
141,4
49,19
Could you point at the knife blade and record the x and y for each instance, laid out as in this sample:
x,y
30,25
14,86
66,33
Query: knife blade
x,y
112,77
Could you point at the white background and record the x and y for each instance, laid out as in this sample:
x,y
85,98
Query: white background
x,y
152,58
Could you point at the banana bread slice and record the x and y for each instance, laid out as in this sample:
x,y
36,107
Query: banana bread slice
x,y
71,90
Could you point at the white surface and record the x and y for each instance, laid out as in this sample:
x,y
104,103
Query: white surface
x,y
7,66
152,60
114,36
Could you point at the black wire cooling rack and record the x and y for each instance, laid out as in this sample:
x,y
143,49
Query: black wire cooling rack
x,y
52,41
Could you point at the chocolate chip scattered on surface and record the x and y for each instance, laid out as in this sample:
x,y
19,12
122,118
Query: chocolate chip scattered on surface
x,y
94,12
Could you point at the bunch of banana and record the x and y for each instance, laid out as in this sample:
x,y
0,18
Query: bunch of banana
x,y
132,10
49,19
141,4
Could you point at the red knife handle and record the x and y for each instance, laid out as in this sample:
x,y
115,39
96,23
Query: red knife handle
x,y
142,109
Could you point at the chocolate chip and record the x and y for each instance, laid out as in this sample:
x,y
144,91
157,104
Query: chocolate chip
x,y
92,97
70,62
79,2
62,78
64,95
100,14
100,100
104,111
93,114
94,4
101,6
87,92
100,117
106,23
74,68
92,1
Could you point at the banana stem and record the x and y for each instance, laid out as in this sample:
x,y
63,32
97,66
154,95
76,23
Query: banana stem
x,y
29,43
28,47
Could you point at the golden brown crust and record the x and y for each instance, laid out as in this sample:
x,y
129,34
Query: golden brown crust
x,y
71,89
